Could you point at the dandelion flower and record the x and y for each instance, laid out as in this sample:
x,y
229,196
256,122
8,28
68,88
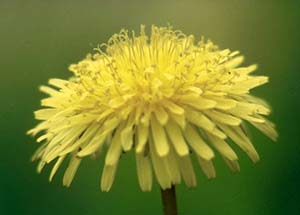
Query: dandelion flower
x,y
165,98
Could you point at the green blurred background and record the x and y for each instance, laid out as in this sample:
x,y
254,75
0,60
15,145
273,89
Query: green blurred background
x,y
39,39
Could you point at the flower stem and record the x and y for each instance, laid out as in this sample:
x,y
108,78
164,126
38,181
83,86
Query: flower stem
x,y
169,201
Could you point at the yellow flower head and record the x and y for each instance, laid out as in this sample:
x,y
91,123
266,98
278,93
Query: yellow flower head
x,y
164,97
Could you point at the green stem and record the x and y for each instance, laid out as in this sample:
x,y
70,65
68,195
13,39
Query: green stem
x,y
169,201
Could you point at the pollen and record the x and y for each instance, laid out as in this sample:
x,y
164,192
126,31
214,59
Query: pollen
x,y
164,97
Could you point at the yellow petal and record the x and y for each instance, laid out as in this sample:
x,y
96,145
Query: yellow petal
x,y
176,138
205,123
108,176
82,139
50,91
174,108
116,102
159,137
62,140
71,170
161,115
238,137
142,137
56,166
144,172
223,147
233,165
251,108
223,117
245,70
172,167
127,138
40,166
234,62
246,85
93,145
179,119
58,82
46,113
197,143
159,167
53,102
39,152
267,128
207,167
223,103
199,103
115,149
200,120
146,118
218,133
187,171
